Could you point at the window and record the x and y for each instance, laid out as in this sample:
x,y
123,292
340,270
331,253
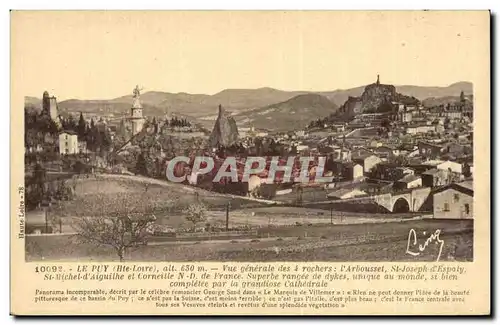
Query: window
x,y
456,197
467,208
446,207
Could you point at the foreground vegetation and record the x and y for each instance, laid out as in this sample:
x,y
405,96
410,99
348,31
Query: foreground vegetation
x,y
361,242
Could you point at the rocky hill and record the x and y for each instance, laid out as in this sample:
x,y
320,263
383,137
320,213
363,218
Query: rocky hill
x,y
225,131
340,96
376,98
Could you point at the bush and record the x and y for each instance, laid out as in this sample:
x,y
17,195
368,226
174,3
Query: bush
x,y
255,241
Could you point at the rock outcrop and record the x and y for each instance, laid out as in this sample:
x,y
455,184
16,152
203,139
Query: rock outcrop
x,y
225,132
376,98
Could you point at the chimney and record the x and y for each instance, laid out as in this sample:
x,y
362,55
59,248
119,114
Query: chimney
x,y
221,111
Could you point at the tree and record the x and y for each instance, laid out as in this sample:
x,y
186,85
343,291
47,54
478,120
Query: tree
x,y
462,97
196,213
121,233
71,123
386,124
467,170
400,160
82,127
141,165
122,221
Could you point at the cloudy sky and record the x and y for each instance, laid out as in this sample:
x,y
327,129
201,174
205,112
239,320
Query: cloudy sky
x,y
102,55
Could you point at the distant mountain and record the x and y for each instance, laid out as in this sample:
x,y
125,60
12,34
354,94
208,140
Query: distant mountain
x,y
242,99
436,101
243,103
291,114
181,103
422,93
341,95
32,101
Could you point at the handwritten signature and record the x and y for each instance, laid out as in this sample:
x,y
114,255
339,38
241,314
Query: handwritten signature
x,y
414,250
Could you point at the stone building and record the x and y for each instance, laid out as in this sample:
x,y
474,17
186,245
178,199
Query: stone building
x,y
454,201
49,106
68,143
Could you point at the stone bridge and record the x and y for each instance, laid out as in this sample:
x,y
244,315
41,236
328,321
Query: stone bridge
x,y
410,200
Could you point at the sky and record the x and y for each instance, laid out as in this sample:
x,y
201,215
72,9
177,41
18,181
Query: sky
x,y
103,55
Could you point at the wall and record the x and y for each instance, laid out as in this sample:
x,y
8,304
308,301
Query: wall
x,y
53,108
357,171
419,197
456,202
455,167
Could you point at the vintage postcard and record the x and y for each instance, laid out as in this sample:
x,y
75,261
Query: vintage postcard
x,y
250,162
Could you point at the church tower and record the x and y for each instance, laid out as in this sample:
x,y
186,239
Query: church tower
x,y
378,80
136,117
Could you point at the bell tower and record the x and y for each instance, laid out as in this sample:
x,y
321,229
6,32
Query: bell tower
x,y
136,116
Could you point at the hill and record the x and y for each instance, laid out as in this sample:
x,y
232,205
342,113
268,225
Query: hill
x,y
242,99
102,107
340,96
180,103
436,101
237,101
291,114
32,104
422,93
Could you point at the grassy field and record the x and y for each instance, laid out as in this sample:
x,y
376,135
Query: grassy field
x,y
170,200
285,233
106,188
355,242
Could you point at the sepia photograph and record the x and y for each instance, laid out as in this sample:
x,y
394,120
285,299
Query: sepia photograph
x,y
237,140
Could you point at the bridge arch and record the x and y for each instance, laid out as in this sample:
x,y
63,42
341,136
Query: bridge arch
x,y
401,205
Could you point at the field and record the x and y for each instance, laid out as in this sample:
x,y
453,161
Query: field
x,y
170,199
321,242
279,233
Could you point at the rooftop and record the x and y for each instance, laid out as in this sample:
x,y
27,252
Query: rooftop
x,y
409,178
